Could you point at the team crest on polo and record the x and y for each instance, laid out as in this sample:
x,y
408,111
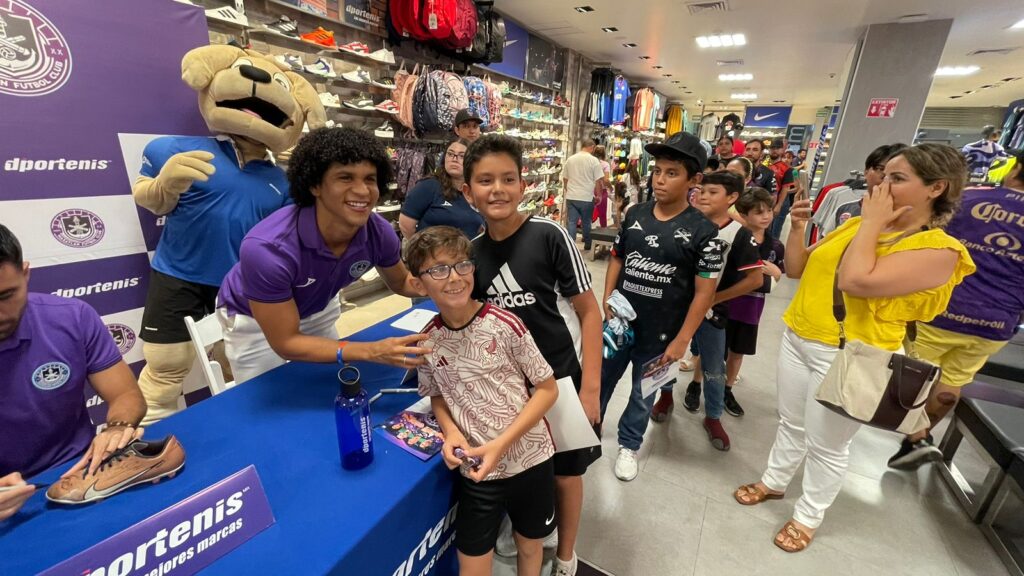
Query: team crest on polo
x,y
51,376
123,336
359,268
34,56
77,228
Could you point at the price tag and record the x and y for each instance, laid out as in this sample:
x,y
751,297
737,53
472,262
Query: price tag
x,y
433,21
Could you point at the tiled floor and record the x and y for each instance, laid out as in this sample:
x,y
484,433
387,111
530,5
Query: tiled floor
x,y
678,517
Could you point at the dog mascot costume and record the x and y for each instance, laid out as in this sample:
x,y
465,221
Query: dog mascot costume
x,y
213,190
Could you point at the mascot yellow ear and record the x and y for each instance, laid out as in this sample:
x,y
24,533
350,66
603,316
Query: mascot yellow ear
x,y
200,64
308,100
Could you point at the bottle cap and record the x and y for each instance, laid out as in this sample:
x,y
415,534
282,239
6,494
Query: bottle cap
x,y
348,376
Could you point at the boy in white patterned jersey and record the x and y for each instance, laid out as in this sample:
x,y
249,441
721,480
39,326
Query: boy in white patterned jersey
x,y
477,377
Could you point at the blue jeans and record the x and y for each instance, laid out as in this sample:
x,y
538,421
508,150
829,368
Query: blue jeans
x,y
779,220
709,344
633,422
578,209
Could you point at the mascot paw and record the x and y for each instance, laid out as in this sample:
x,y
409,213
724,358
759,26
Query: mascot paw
x,y
182,169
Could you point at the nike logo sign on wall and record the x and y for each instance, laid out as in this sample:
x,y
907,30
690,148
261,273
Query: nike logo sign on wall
x,y
91,492
510,42
759,117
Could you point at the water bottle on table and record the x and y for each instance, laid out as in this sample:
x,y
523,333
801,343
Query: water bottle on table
x,y
352,414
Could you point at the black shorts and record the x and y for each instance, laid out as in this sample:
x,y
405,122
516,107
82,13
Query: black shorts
x,y
741,338
528,498
576,462
168,301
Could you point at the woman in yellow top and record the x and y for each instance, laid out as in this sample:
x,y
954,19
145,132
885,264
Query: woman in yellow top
x,y
899,266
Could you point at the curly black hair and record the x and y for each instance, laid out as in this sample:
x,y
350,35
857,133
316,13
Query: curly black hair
x,y
322,147
492,144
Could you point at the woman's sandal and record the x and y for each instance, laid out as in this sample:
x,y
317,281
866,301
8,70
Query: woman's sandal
x,y
793,538
750,495
686,365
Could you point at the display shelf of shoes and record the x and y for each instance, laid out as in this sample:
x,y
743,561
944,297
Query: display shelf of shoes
x,y
281,41
530,100
235,26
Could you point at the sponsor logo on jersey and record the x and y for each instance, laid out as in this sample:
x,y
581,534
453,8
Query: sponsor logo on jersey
x,y
647,269
123,336
359,268
77,228
51,375
636,226
506,292
989,211
652,240
17,164
34,56
1004,241
682,234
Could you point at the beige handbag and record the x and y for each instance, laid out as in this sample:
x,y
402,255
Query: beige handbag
x,y
877,387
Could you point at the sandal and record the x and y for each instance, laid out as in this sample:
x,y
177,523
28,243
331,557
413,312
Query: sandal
x,y
686,365
750,495
793,538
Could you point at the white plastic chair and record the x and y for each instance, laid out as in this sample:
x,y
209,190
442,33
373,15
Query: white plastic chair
x,y
206,333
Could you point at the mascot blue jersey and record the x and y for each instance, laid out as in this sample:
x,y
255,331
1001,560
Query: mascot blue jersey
x,y
203,233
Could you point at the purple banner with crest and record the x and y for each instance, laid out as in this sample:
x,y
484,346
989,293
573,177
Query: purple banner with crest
x,y
184,538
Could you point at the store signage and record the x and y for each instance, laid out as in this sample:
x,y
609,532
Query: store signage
x,y
184,538
767,116
882,107
513,61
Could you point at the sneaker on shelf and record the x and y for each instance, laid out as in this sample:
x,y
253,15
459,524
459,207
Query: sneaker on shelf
x,y
663,407
384,130
523,207
731,405
359,76
229,15
912,455
357,48
321,68
389,106
383,55
692,399
362,102
625,464
525,171
716,434
292,61
331,124
283,26
560,567
330,100
506,544
320,36
139,462
384,82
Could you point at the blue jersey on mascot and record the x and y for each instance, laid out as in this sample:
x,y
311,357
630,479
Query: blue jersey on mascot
x,y
213,190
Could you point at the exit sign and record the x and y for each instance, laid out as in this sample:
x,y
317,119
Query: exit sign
x,y
882,107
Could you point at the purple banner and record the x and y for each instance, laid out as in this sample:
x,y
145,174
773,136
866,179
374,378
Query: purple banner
x,y
184,538
109,285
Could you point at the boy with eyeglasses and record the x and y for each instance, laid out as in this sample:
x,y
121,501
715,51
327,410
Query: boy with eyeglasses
x,y
478,375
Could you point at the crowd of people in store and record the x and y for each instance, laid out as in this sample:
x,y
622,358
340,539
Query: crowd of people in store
x,y
699,247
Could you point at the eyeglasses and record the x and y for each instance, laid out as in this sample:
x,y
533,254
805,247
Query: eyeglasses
x,y
443,271
452,156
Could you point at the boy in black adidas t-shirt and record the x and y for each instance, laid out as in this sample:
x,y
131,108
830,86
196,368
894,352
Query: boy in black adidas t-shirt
x,y
665,263
741,274
531,267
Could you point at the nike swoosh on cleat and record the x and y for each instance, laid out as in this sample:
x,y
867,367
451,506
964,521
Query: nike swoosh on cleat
x,y
91,493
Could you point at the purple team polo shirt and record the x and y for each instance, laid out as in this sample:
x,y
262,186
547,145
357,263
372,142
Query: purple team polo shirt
x,y
284,257
43,421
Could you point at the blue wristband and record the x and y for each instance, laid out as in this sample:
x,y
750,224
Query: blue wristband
x,y
341,359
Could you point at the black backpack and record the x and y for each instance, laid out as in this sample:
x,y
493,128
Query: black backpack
x,y
478,51
495,37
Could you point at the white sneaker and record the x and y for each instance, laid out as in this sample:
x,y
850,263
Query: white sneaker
x,y
229,15
330,100
358,75
560,568
625,464
384,130
506,544
383,55
321,68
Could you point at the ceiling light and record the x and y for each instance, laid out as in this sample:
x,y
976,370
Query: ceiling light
x,y
629,45
744,96
735,77
721,40
739,39
956,70
703,42
583,9
610,29
1018,25
716,41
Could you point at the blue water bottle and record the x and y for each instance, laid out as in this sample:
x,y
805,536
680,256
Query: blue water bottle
x,y
352,414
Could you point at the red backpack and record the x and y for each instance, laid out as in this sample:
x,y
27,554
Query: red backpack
x,y
437,17
405,17
464,27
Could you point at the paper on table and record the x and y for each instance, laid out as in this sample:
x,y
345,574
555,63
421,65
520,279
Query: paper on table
x,y
567,421
415,320
655,375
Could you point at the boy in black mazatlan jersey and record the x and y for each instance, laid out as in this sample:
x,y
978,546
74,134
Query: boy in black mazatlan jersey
x,y
665,263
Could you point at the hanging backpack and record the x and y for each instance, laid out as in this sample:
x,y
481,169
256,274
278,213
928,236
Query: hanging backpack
x,y
405,86
465,26
437,17
494,101
457,100
496,37
477,51
476,91
431,103
405,17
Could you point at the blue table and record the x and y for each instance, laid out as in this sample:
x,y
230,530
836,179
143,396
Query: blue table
x,y
363,523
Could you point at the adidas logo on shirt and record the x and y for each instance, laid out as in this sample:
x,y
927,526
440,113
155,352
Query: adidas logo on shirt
x,y
442,362
506,292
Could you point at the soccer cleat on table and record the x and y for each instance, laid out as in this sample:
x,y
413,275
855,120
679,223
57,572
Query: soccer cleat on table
x,y
321,68
359,76
139,462
389,106
284,26
229,15
383,55
292,61
320,36
360,103
357,48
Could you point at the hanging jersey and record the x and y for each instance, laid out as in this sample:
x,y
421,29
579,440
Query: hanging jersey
x,y
620,96
534,273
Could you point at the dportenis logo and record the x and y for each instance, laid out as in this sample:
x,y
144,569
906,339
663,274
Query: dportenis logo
x,y
34,56
77,228
59,164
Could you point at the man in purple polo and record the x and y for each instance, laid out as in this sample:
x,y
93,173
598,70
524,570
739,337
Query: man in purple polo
x,y
280,302
49,348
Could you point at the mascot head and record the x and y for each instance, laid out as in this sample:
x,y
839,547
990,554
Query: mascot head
x,y
244,93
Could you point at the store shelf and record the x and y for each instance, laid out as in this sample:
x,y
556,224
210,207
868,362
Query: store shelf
x,y
299,44
532,121
386,209
225,24
528,100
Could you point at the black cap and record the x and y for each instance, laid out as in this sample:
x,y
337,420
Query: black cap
x,y
989,130
682,144
349,378
778,143
465,115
